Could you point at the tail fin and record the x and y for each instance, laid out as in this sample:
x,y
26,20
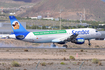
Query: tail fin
x,y
16,25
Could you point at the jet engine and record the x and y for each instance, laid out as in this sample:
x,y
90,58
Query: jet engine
x,y
78,41
61,43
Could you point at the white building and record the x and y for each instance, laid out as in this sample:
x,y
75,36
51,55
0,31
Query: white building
x,y
34,17
101,24
49,18
12,13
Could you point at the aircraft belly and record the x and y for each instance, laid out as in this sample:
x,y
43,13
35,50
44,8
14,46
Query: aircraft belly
x,y
48,38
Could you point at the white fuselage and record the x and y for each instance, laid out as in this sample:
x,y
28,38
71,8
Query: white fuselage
x,y
86,33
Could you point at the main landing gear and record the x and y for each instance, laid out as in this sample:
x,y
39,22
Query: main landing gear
x,y
65,46
89,42
53,45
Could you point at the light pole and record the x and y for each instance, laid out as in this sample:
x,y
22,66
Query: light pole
x,y
81,18
60,18
84,14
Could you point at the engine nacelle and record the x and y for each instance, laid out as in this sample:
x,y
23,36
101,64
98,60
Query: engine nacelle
x,y
61,43
79,41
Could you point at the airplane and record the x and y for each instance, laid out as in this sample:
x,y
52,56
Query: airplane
x,y
77,36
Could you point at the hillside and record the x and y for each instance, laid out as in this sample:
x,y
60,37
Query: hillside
x,y
95,9
12,4
28,0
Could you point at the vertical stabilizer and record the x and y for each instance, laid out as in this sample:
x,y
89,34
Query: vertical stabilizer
x,y
16,25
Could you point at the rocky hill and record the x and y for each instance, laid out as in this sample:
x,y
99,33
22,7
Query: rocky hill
x,y
71,9
28,0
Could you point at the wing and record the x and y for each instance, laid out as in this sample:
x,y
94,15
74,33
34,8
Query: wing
x,y
71,38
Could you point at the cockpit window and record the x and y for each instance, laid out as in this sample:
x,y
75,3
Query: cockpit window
x,y
96,31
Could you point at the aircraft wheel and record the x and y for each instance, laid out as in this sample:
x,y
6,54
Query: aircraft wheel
x,y
89,44
53,45
65,46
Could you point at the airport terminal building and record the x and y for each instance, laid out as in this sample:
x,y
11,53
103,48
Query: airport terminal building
x,y
5,28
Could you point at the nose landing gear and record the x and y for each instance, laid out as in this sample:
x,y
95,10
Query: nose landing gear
x,y
89,42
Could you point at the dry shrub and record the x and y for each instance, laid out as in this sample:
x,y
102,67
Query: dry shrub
x,y
81,50
62,50
7,50
72,57
78,63
26,50
64,59
99,63
97,46
43,64
50,63
95,61
69,68
62,63
15,64
29,59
